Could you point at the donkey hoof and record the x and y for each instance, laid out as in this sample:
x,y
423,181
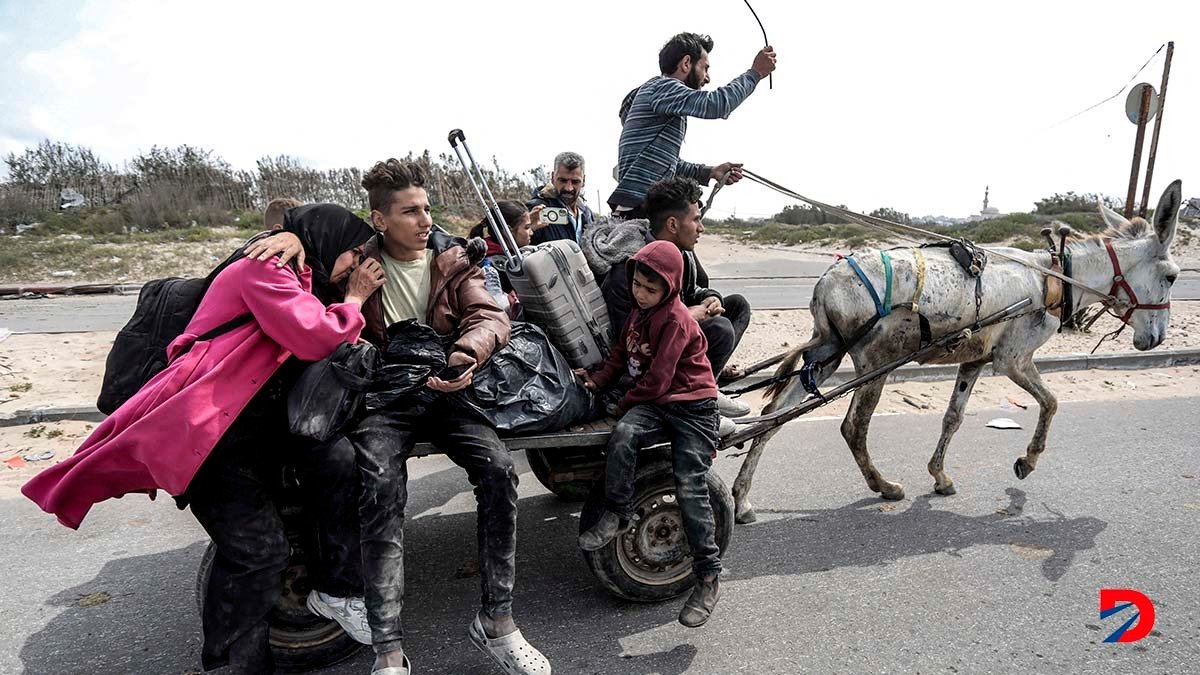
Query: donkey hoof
x,y
945,490
746,517
891,491
1022,468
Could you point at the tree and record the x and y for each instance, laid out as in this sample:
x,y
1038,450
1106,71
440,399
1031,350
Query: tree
x,y
1073,203
893,215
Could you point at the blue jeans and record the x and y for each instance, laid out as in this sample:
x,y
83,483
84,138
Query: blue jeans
x,y
691,427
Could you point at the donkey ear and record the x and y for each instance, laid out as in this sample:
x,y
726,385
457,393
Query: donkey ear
x,y
1111,218
1167,212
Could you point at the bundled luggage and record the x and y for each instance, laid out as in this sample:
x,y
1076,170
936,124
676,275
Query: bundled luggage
x,y
553,280
527,387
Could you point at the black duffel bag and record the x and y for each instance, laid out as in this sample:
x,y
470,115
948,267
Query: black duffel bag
x,y
329,393
527,387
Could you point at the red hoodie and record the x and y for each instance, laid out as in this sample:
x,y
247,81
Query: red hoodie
x,y
661,347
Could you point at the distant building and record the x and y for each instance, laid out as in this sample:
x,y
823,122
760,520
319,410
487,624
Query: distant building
x,y
988,212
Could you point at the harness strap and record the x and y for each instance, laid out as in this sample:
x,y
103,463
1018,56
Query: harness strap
x,y
862,276
1119,283
919,264
887,276
1068,301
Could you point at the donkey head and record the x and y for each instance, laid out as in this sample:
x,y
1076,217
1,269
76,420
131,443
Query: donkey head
x,y
1146,264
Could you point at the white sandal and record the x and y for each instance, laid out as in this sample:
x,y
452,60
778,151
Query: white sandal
x,y
514,654
405,669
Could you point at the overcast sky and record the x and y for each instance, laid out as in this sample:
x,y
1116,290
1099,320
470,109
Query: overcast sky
x,y
914,105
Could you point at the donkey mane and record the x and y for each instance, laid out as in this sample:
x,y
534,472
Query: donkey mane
x,y
1133,229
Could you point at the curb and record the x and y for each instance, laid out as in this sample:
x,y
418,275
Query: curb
x,y
909,373
72,289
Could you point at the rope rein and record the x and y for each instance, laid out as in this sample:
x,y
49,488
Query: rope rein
x,y
890,226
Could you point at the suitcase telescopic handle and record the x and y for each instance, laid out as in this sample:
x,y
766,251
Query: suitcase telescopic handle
x,y
491,210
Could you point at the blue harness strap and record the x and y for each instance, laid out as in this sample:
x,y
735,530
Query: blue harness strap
x,y
881,309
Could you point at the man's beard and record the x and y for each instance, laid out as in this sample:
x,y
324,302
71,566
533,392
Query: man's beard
x,y
693,80
568,196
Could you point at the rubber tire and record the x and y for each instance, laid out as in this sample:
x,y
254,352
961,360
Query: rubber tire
x,y
606,566
542,464
294,651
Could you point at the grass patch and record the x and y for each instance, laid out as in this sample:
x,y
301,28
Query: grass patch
x,y
21,386
778,233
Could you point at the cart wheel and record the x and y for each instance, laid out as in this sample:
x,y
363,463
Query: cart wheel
x,y
300,640
650,561
545,465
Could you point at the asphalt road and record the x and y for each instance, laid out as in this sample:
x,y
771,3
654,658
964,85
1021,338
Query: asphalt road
x,y
1002,577
770,284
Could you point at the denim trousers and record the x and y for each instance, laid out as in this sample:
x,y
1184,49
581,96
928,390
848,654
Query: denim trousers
x,y
383,442
235,497
691,428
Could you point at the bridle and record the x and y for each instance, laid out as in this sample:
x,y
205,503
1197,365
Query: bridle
x,y
1120,284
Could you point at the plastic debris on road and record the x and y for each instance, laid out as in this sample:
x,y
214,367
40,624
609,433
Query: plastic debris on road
x,y
1003,423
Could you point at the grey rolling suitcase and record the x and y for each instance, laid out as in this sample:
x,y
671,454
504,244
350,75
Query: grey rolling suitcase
x,y
553,281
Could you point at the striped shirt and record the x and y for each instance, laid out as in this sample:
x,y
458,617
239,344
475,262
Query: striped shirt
x,y
654,127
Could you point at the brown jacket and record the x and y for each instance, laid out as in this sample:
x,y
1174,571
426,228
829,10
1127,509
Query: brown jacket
x,y
459,304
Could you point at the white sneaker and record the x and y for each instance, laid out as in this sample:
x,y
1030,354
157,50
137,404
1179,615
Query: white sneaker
x,y
350,613
730,407
727,427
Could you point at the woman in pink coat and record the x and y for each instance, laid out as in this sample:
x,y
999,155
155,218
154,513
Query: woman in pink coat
x,y
211,428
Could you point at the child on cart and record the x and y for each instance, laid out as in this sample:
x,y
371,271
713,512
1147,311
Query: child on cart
x,y
673,393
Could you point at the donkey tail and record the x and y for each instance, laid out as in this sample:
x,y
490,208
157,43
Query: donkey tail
x,y
824,344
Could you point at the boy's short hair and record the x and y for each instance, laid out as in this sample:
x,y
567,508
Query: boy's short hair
x,y
273,214
389,177
650,273
670,197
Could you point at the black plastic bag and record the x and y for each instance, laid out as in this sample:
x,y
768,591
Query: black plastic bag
x,y
329,393
414,352
527,387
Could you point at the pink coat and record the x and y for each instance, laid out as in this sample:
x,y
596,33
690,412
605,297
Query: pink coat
x,y
162,435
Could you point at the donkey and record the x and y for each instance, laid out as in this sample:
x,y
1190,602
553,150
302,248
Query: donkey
x,y
950,300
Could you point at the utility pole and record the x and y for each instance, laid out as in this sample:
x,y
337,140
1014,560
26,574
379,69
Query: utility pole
x,y
1162,103
1143,113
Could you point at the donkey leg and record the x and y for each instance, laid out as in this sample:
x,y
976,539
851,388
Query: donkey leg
x,y
743,510
854,430
1026,377
968,373
792,394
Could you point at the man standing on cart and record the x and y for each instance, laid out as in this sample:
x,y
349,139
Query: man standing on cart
x,y
654,119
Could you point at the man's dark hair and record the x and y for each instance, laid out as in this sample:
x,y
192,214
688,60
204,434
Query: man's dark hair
x,y
684,44
650,273
670,197
387,178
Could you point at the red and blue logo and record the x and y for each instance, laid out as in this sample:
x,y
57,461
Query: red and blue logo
x,y
1118,600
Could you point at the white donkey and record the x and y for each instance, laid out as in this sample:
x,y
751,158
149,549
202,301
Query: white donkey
x,y
841,305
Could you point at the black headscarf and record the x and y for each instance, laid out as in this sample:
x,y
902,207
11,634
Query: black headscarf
x,y
326,231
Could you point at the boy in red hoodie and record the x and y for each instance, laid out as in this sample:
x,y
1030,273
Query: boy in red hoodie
x,y
662,347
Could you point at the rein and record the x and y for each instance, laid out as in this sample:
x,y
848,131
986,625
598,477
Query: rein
x,y
1111,300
